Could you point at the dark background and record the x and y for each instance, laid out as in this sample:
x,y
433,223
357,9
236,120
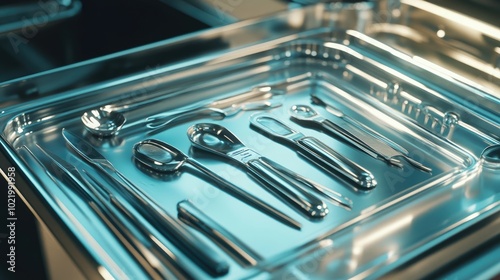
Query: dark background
x,y
102,27
29,260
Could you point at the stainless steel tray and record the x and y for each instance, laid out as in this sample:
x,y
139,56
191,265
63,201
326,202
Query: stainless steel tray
x,y
465,46
442,121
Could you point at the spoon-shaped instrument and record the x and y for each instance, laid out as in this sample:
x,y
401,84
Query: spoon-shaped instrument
x,y
162,157
219,110
261,97
103,123
108,120
154,257
198,251
287,185
361,140
318,153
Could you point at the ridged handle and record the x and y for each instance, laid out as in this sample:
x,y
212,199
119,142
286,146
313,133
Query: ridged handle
x,y
363,141
290,189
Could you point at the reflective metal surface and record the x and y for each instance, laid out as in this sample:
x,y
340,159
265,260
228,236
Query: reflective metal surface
x,y
131,232
281,181
257,99
191,215
437,35
162,157
103,123
316,151
445,121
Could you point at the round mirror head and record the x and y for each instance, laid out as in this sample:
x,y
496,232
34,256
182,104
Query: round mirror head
x,y
103,123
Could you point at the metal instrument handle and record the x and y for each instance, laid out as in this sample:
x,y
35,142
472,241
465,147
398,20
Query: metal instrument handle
x,y
372,145
192,246
289,188
191,215
332,161
363,141
246,197
162,120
